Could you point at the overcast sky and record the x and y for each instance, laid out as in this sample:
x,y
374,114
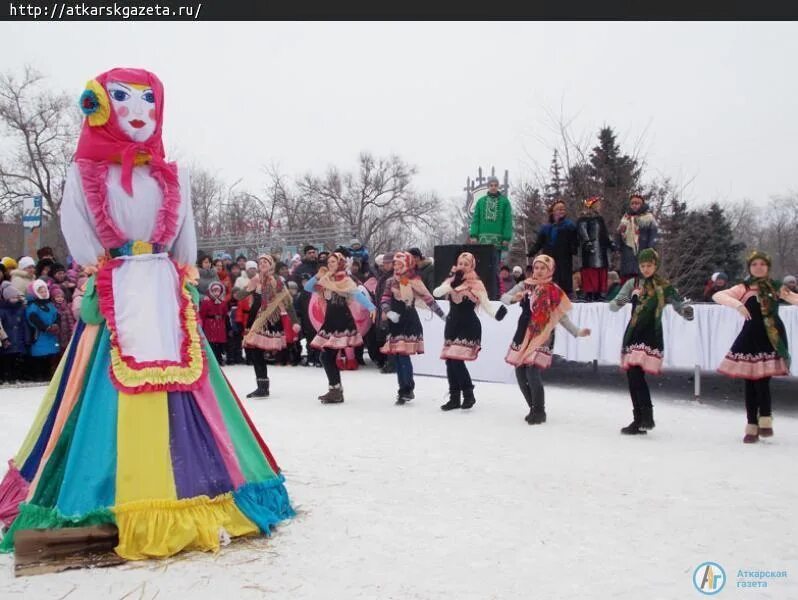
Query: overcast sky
x,y
715,101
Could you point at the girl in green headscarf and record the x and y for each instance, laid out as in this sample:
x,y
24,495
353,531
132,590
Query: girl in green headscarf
x,y
760,350
643,345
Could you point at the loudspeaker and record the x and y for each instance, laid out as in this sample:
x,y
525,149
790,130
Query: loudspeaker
x,y
487,264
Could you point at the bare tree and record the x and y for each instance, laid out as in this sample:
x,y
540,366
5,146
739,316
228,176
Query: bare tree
x,y
780,233
42,127
373,200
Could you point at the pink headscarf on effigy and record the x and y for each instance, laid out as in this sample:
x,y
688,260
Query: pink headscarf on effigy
x,y
103,142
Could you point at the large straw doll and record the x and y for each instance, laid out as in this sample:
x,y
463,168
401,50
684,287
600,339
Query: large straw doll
x,y
139,426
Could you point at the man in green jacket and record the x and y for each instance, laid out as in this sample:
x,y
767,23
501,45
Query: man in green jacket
x,y
493,219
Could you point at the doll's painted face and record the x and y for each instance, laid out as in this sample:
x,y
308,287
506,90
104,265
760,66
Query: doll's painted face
x,y
134,106
759,268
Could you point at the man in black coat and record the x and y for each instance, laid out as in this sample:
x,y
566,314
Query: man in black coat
x,y
309,265
558,239
595,245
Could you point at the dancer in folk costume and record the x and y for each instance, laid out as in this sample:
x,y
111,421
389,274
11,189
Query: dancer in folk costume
x,y
271,319
544,304
405,334
337,298
643,346
463,330
139,427
760,350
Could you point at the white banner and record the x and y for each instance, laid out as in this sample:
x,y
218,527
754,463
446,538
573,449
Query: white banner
x,y
702,342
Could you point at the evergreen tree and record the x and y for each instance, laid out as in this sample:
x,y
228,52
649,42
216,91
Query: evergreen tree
x,y
614,174
529,210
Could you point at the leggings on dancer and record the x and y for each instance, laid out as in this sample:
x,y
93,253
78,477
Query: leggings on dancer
x,y
638,390
531,384
757,399
259,362
458,375
328,360
404,372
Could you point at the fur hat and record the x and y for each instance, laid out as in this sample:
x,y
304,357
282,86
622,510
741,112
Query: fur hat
x,y
251,264
26,262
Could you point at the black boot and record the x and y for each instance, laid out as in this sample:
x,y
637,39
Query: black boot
x,y
454,400
647,418
334,396
537,416
633,428
262,390
468,398
404,395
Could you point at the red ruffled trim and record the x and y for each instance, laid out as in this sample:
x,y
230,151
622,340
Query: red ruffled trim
x,y
94,176
13,491
105,295
166,224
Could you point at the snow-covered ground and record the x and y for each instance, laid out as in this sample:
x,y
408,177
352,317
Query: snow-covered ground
x,y
409,502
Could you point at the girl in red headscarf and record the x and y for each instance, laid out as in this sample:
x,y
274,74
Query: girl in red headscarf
x,y
463,331
336,290
139,428
405,333
543,305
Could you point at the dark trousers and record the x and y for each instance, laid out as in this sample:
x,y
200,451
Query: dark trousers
x,y
404,372
531,385
328,361
42,367
458,375
218,351
234,355
638,390
11,368
757,399
259,362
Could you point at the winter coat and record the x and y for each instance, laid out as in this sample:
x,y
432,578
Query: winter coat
x,y
636,232
492,222
361,255
560,241
214,320
66,323
41,314
21,280
426,270
306,267
594,241
12,316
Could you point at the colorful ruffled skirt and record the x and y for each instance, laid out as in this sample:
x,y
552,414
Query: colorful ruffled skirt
x,y
173,470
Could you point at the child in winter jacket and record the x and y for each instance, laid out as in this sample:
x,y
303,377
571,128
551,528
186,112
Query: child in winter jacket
x,y
43,317
12,316
213,314
66,320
